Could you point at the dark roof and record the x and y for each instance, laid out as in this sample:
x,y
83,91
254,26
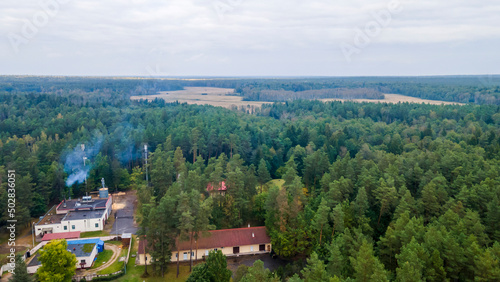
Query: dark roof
x,y
79,205
63,235
81,250
34,261
140,248
51,217
77,215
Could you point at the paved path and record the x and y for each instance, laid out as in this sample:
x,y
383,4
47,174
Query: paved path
x,y
124,207
116,254
6,277
248,260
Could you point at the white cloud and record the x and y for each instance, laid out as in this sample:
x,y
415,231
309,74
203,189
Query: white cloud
x,y
254,37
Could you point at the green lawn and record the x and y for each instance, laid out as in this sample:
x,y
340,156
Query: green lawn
x,y
102,258
117,243
134,272
19,251
94,234
117,265
275,182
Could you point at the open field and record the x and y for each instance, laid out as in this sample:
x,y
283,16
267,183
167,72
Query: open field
x,y
219,97
222,97
396,98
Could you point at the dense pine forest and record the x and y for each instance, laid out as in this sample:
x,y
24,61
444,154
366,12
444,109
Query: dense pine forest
x,y
369,191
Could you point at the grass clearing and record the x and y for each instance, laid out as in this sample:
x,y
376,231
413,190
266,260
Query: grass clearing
x,y
134,273
219,97
276,182
102,258
100,233
19,251
116,243
223,97
117,265
397,98
271,183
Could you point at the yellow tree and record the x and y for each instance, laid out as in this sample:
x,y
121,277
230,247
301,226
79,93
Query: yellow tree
x,y
58,264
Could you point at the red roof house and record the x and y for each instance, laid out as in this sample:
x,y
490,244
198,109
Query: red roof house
x,y
220,189
232,242
63,235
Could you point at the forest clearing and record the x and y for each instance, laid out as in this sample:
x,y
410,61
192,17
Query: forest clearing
x,y
226,97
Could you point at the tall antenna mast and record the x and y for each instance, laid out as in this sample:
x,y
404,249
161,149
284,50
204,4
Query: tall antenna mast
x,y
84,159
146,160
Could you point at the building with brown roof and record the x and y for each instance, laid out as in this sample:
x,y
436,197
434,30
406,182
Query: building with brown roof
x,y
219,189
232,242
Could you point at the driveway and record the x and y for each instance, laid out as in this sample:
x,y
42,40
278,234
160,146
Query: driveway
x,y
248,260
124,205
116,253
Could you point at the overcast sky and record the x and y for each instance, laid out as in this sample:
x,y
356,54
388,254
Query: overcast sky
x,y
249,37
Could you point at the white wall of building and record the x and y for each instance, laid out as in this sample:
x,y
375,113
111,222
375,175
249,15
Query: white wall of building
x,y
33,269
83,225
109,204
88,260
56,228
228,251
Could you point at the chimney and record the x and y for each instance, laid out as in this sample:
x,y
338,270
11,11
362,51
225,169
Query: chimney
x,y
249,225
253,235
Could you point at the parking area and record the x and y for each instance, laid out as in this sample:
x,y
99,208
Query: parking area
x,y
124,205
269,262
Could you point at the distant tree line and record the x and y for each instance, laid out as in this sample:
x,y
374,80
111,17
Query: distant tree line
x,y
483,89
338,93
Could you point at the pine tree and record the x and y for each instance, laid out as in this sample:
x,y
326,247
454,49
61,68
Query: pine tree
x,y
217,266
434,270
337,260
257,272
263,173
430,201
195,138
290,172
406,203
186,222
21,272
361,202
179,164
202,221
321,217
366,266
411,262
315,270
493,219
337,216
386,196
